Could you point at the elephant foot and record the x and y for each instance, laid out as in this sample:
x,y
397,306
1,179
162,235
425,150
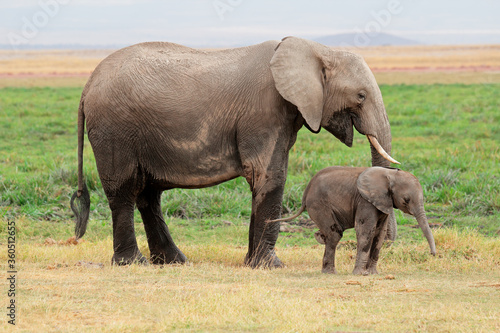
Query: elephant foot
x,y
268,260
329,270
360,271
165,258
122,260
372,270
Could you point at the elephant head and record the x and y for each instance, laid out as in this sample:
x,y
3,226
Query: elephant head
x,y
388,188
335,90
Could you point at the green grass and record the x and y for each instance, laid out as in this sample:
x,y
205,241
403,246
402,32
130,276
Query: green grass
x,y
447,135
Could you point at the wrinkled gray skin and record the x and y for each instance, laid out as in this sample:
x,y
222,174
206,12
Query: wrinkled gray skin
x,y
161,116
340,198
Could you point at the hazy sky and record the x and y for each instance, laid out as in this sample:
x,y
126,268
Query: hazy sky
x,y
242,22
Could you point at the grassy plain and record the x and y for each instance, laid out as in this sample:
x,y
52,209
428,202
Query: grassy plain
x,y
447,135
61,289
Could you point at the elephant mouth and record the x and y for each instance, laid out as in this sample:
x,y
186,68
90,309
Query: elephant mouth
x,y
341,126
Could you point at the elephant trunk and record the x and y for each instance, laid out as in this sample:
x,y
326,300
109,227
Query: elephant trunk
x,y
424,225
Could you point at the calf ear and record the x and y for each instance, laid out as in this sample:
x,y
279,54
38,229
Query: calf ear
x,y
319,237
374,185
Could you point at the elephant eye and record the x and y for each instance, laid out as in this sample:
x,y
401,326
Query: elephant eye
x,y
407,200
361,96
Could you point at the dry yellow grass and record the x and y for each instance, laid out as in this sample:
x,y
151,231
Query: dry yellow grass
x,y
432,64
42,62
43,81
433,56
456,291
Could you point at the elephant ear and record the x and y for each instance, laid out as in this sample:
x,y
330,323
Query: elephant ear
x,y
374,185
297,71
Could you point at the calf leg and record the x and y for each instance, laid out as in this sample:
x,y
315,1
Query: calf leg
x,y
365,225
330,234
331,243
378,241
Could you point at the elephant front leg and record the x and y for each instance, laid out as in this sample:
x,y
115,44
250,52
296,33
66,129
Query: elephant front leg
x,y
266,205
378,241
161,245
365,226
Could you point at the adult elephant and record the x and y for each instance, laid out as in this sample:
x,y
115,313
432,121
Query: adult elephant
x,y
162,116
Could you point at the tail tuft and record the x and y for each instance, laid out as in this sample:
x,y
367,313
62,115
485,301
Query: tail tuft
x,y
81,210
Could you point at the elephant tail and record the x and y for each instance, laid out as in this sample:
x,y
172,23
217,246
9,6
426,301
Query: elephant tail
x,y
82,208
301,210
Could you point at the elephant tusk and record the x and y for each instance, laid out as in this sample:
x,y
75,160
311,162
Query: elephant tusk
x,y
373,140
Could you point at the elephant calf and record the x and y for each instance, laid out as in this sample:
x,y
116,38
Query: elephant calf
x,y
339,198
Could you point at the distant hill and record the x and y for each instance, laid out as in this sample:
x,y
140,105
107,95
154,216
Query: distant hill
x,y
363,39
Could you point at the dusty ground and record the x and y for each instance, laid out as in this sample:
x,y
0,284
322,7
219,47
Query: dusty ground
x,y
391,65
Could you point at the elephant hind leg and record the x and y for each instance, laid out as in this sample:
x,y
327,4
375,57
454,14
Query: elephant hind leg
x,y
331,234
161,245
329,257
125,247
